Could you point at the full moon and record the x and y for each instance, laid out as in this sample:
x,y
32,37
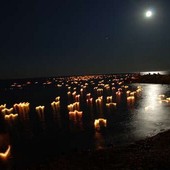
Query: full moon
x,y
148,14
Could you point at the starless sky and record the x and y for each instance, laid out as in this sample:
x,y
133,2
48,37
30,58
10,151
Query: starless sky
x,y
67,37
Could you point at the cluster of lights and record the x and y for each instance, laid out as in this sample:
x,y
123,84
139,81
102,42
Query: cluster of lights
x,y
106,89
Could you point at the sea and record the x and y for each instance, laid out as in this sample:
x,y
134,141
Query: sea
x,y
48,117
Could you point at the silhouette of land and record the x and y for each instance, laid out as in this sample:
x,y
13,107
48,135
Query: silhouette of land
x,y
155,78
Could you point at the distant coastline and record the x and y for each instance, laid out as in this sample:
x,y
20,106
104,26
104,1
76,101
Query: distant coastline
x,y
153,78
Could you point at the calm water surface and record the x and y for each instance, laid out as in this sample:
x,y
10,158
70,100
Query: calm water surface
x,y
57,132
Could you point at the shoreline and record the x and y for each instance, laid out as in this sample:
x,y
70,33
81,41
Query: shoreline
x,y
155,79
150,153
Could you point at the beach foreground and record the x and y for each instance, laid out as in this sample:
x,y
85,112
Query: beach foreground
x,y
151,153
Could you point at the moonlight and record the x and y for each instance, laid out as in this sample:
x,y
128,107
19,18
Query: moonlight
x,y
148,14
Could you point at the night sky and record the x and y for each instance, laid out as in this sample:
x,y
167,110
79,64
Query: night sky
x,y
40,38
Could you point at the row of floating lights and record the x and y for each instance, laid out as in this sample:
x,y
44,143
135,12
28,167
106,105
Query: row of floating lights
x,y
23,108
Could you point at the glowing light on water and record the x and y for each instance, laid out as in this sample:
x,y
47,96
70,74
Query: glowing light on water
x,y
77,98
89,101
11,116
40,111
55,105
130,100
57,98
111,104
88,95
76,113
22,107
6,154
74,106
7,111
2,106
109,99
149,108
99,123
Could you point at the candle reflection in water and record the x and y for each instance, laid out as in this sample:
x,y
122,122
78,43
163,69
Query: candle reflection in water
x,y
99,104
7,111
11,116
5,155
99,140
3,106
109,99
76,118
22,109
56,111
40,111
111,106
100,123
55,106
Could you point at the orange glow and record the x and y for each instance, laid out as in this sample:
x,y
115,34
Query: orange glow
x,y
55,105
7,111
74,106
126,87
132,93
107,86
11,116
21,107
98,123
139,89
76,112
98,101
128,92
89,100
113,88
59,85
120,89
40,111
74,94
88,95
3,106
99,92
70,107
68,93
118,93
40,108
6,154
77,98
57,98
130,98
109,99
111,104
168,99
